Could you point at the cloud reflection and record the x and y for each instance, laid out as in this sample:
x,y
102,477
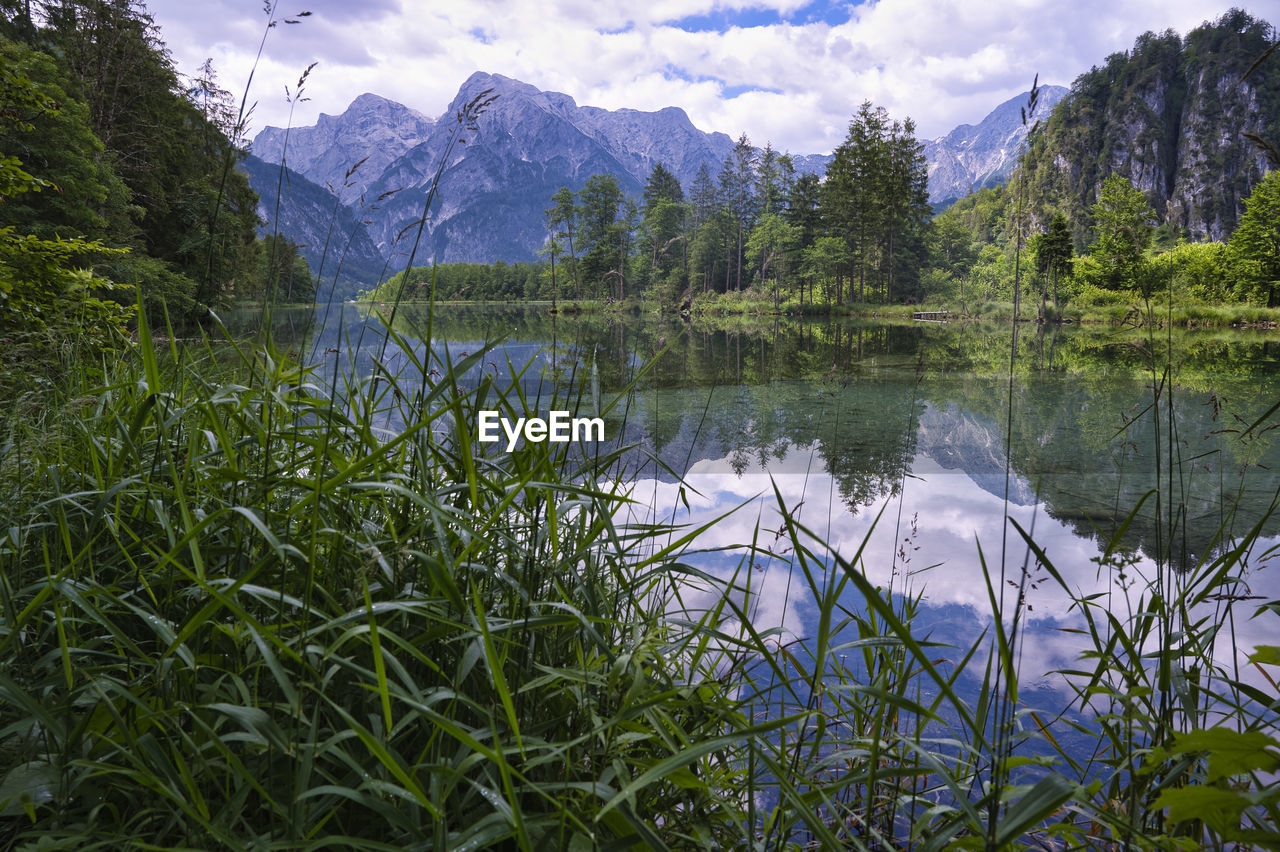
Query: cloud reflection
x,y
932,537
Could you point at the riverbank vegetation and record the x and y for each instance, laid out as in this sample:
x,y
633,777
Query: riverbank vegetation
x,y
252,601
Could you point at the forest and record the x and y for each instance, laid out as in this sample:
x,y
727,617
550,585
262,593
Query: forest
x,y
119,183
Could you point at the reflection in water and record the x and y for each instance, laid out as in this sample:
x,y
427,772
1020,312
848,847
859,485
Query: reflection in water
x,y
914,439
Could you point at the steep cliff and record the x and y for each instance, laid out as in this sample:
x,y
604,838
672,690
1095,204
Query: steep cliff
x,y
1171,116
372,129
330,235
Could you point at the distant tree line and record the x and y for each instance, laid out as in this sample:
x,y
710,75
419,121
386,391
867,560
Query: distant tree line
x,y
474,282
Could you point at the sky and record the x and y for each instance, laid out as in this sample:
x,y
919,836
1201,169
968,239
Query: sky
x,y
789,72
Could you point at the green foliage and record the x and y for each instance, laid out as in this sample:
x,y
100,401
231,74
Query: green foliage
x,y
280,275
45,290
562,221
1123,226
173,144
236,608
1254,248
47,286
481,282
1172,112
122,153
770,251
273,620
1193,272
1053,248
601,231
755,225
49,134
163,291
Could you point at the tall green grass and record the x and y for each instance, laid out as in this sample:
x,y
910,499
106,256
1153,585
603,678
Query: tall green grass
x,y
243,612
244,604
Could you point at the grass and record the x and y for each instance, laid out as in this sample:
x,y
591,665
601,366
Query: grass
x,y
240,610
243,609
248,605
1116,309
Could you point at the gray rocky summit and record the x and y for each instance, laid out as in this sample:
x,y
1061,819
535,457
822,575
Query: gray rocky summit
x,y
973,157
529,143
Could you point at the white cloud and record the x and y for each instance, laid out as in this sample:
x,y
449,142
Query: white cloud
x,y
942,62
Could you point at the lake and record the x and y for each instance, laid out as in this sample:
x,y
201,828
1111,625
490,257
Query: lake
x,y
904,447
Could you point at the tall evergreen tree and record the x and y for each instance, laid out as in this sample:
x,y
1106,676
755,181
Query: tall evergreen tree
x,y
1123,224
875,198
740,170
663,224
562,220
706,220
1254,249
600,234
1054,250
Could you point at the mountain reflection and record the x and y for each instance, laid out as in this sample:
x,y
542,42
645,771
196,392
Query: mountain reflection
x,y
934,429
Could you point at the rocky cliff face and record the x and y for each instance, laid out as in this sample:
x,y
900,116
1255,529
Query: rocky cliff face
x,y
372,129
971,157
334,242
1170,116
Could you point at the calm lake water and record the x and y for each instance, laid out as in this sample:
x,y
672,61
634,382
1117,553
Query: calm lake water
x,y
912,443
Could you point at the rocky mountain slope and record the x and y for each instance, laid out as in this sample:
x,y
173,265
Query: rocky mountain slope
x,y
971,157
372,129
497,184
329,235
1171,115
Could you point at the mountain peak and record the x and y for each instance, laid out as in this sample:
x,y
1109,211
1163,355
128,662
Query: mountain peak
x,y
369,102
371,128
973,156
482,80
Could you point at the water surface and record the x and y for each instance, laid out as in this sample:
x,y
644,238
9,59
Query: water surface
x,y
911,445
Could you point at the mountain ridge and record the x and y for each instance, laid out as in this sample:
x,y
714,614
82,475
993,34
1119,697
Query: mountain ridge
x,y
975,156
498,182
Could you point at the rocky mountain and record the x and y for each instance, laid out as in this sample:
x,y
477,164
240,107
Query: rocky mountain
x,y
373,130
972,157
496,186
494,190
1173,115
330,236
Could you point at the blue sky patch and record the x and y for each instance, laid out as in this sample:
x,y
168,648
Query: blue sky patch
x,y
819,11
730,92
